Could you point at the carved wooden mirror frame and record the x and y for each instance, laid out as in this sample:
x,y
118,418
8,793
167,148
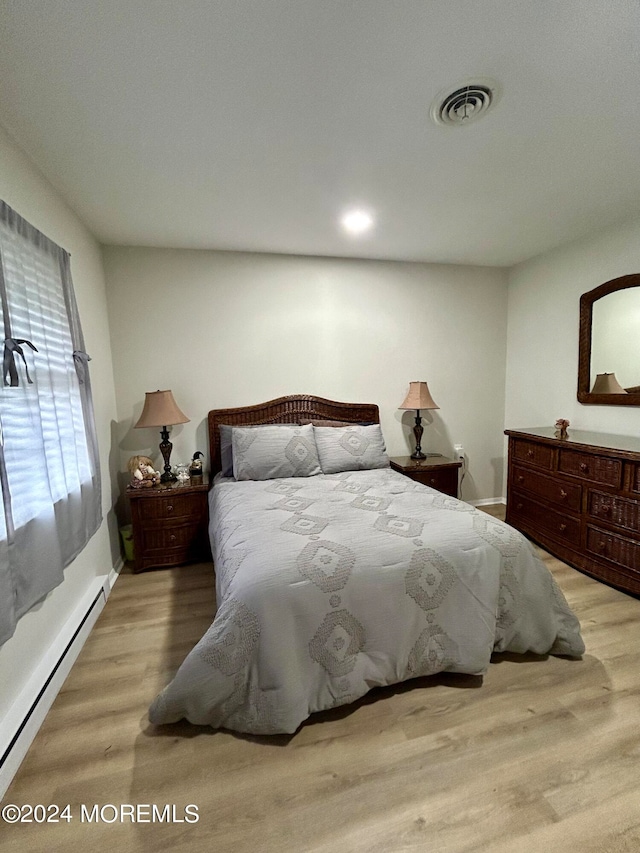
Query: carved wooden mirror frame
x,y
584,352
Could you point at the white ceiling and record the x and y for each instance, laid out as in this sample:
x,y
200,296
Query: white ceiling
x,y
252,124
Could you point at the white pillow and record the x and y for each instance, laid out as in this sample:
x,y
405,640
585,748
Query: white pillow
x,y
274,451
352,448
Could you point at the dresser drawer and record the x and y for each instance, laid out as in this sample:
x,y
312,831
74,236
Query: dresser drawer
x,y
635,478
532,516
618,549
563,494
623,512
596,469
539,455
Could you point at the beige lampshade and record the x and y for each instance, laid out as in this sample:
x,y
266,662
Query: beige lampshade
x,y
606,383
160,410
419,397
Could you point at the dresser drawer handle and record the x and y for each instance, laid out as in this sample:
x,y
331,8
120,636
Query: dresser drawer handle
x,y
602,546
520,478
562,528
604,509
584,467
519,506
173,537
563,494
170,508
530,454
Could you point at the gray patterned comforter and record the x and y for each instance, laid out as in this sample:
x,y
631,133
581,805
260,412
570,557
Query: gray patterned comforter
x,y
330,585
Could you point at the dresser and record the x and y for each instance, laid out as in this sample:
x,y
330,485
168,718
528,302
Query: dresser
x,y
170,524
579,498
436,471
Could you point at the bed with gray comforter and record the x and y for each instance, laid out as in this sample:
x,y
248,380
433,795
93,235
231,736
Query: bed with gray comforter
x,y
333,584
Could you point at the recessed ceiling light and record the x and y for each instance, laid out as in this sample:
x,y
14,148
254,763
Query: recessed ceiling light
x,y
357,221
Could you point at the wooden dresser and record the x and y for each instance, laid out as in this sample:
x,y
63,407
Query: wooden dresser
x,y
579,497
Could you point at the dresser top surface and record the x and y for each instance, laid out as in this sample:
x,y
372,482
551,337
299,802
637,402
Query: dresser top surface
x,y
581,438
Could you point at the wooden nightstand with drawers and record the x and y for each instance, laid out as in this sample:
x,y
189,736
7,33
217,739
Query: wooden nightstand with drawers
x,y
170,524
436,471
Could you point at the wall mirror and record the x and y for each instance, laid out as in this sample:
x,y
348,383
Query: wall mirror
x,y
609,354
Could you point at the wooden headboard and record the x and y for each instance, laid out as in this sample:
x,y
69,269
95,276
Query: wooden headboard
x,y
295,409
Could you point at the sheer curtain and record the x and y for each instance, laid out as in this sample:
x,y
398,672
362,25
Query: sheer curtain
x,y
49,467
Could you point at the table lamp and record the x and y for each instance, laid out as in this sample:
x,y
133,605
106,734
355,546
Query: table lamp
x,y
161,410
418,398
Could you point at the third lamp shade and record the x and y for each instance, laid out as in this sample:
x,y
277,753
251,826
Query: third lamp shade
x,y
160,410
606,383
419,397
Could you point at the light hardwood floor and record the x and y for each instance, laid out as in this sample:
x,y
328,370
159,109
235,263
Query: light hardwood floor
x,y
541,754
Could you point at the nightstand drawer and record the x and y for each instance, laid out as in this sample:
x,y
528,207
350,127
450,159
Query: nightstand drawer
x,y
438,472
171,506
444,480
164,538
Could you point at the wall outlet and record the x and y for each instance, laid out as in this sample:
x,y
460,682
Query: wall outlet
x,y
458,449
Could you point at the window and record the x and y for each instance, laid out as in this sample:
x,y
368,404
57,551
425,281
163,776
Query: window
x,y
49,468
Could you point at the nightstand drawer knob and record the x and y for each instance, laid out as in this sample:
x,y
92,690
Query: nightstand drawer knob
x,y
530,454
563,527
172,537
170,508
584,466
519,506
520,478
563,494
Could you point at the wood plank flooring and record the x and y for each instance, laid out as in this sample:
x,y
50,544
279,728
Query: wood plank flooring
x,y
541,754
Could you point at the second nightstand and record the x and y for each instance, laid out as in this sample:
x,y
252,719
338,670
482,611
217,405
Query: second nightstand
x,y
170,524
436,471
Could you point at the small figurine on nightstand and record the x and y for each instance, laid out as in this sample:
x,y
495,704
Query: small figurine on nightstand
x,y
561,428
195,469
143,474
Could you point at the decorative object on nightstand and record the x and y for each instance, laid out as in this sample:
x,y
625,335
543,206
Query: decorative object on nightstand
x,y
161,410
419,398
440,473
561,428
170,524
195,469
143,474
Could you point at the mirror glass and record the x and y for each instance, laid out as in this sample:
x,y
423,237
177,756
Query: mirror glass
x,y
615,338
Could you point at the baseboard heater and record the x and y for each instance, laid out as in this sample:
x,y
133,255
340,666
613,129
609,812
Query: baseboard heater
x,y
36,711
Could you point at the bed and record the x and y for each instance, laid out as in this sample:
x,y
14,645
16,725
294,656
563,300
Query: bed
x,y
330,584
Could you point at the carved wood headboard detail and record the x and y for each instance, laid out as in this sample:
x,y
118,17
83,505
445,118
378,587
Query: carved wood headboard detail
x,y
296,408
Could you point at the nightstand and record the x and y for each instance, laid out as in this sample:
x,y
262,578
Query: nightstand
x,y
436,471
170,523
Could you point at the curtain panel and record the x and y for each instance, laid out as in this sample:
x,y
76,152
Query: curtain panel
x,y
49,464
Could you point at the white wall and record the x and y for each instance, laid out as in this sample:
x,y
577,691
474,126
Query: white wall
x,y
229,329
542,336
24,188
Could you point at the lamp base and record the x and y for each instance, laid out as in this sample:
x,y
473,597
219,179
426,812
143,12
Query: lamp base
x,y
418,454
166,448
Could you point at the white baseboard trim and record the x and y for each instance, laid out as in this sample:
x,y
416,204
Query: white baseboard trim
x,y
488,501
26,715
113,576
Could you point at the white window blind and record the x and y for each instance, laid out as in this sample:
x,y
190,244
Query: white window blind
x,y
48,462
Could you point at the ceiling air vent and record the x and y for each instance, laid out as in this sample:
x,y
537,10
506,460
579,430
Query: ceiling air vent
x,y
466,103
